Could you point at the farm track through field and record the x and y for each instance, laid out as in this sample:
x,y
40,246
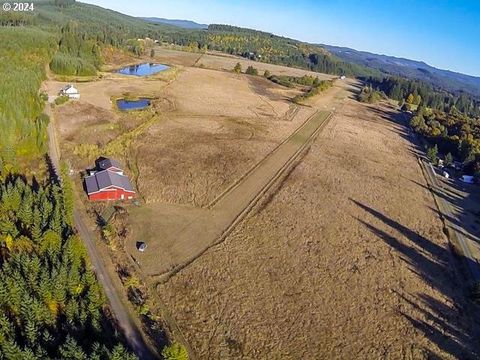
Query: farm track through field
x,y
233,205
259,164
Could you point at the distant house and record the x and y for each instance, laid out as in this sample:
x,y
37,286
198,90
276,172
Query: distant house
x,y
108,182
70,91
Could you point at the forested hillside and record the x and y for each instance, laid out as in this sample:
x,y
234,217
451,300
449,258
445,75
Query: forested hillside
x,y
77,53
22,126
266,47
421,93
51,306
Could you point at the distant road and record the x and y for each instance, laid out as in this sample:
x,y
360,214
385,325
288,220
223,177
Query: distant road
x,y
445,208
449,215
120,313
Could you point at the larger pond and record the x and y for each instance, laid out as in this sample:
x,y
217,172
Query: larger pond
x,y
143,69
139,104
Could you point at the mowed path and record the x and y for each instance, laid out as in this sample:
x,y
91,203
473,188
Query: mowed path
x,y
183,233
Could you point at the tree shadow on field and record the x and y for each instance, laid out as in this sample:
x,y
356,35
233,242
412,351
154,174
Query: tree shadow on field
x,y
401,127
455,329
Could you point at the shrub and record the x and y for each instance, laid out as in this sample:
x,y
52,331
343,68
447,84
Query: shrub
x,y
448,159
61,100
314,90
251,71
175,351
432,154
237,68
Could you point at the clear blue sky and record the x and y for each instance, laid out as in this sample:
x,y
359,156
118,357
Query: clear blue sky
x,y
443,33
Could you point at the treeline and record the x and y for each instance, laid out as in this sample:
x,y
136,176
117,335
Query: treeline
x,y
77,53
51,306
237,29
291,81
370,95
22,126
315,89
313,84
64,3
452,133
401,89
16,18
265,47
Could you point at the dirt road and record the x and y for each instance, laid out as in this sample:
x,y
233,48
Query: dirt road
x,y
468,246
125,323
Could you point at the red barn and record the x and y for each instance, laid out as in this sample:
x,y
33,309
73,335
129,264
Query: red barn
x,y
108,182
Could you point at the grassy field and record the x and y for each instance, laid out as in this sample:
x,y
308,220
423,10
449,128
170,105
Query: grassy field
x,y
346,252
344,263
220,61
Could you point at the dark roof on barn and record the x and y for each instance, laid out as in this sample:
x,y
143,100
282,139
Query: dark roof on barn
x,y
104,164
104,179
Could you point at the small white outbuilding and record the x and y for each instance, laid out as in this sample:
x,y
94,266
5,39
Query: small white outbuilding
x,y
467,179
70,91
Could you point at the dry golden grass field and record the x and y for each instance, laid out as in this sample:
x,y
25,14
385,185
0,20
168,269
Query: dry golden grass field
x,y
219,61
342,258
346,260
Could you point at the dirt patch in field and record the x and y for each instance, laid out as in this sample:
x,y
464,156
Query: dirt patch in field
x,y
347,258
207,92
75,118
168,56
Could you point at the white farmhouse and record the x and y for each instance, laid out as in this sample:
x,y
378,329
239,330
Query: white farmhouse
x,y
70,91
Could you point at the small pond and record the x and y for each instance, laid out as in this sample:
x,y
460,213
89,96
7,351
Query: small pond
x,y
143,69
139,104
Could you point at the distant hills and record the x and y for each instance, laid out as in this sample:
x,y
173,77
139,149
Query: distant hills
x,y
389,65
185,24
115,27
411,69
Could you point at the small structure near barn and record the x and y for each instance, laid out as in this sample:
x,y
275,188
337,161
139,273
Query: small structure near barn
x,y
108,182
141,246
70,91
